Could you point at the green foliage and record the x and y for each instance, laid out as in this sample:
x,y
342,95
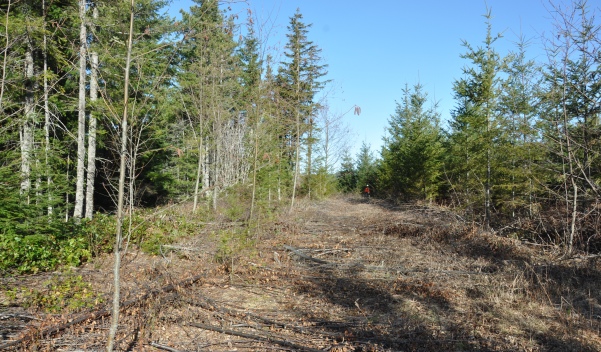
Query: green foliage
x,y
231,243
519,190
367,170
299,80
324,184
347,175
42,252
150,230
474,134
63,294
412,157
100,232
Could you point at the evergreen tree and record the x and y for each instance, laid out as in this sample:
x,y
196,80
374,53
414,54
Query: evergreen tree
x,y
347,175
150,79
412,154
571,120
299,82
366,169
474,127
519,175
209,84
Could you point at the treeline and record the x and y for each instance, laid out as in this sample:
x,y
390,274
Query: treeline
x,y
521,153
197,109
203,110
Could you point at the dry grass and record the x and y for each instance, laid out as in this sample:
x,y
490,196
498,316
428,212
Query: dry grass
x,y
388,279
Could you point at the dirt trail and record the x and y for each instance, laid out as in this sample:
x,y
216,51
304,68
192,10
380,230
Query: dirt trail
x,y
348,275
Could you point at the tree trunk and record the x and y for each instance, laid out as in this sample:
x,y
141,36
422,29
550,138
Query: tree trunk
x,y
122,171
255,158
199,172
297,160
26,132
92,130
297,147
81,119
5,58
47,118
309,156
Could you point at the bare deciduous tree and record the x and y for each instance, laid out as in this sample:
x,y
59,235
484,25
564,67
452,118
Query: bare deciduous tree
x,y
122,172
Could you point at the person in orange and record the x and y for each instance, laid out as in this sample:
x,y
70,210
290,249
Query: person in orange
x,y
366,191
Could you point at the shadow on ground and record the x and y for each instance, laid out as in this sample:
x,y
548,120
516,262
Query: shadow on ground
x,y
406,313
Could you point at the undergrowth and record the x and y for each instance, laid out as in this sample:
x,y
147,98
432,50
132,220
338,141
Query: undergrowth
x,y
66,293
70,244
42,252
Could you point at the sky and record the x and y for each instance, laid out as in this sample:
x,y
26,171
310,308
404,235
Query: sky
x,y
373,49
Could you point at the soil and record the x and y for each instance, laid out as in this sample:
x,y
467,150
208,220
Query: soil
x,y
344,274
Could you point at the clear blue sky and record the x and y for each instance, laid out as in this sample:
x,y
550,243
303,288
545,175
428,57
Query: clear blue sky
x,y
374,48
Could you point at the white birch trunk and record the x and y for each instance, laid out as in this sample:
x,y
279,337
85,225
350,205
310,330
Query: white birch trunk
x,y
26,131
47,122
81,120
92,131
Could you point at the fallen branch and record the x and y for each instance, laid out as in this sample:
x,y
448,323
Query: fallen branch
x,y
180,248
211,305
4,316
304,256
94,315
163,347
254,337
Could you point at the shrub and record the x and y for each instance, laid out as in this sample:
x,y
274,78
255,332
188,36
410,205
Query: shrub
x,y
63,294
31,253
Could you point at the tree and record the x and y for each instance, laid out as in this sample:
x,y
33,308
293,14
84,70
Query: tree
x,y
209,83
519,140
332,144
81,109
474,125
299,81
251,98
92,129
412,154
121,192
347,175
32,61
366,168
571,115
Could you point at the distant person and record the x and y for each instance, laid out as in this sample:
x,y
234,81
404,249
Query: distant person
x,y
367,191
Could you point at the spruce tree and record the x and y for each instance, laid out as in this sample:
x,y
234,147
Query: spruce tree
x,y
299,81
570,116
209,84
412,154
366,168
474,127
347,175
518,173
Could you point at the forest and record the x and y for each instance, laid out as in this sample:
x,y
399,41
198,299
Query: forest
x,y
100,121
216,183
110,109
196,110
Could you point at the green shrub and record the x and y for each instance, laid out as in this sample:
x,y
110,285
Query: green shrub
x,y
66,294
100,232
231,243
42,252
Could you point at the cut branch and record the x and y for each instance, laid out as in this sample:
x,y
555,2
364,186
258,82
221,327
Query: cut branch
x,y
36,334
305,256
254,337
